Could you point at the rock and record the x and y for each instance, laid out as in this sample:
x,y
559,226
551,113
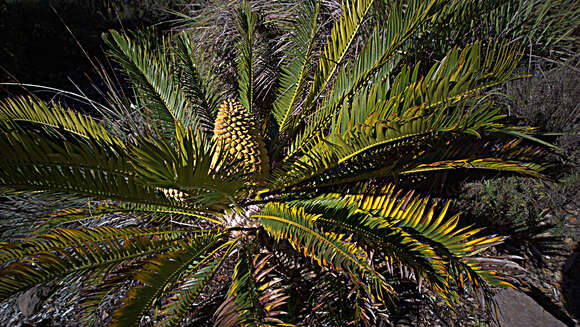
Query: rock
x,y
29,301
519,310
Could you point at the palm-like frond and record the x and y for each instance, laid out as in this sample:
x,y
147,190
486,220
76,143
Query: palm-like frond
x,y
202,273
345,216
193,166
252,298
115,171
246,25
83,168
416,112
295,72
377,59
326,248
199,85
152,82
148,212
338,43
46,265
410,232
373,66
65,237
459,75
438,237
158,274
54,117
400,28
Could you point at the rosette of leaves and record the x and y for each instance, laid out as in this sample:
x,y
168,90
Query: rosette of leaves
x,y
215,185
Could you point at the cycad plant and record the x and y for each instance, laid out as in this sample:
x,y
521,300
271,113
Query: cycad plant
x,y
215,181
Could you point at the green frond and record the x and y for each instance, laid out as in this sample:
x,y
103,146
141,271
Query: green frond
x,y
253,297
64,237
337,250
246,25
111,171
524,168
512,156
198,84
354,101
377,59
194,166
44,266
158,274
106,281
152,81
54,116
295,71
150,211
409,232
382,148
418,110
343,215
461,74
336,47
353,78
181,301
27,147
87,168
446,245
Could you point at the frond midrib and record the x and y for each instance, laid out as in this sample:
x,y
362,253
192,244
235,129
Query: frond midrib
x,y
62,272
171,277
63,243
314,234
87,192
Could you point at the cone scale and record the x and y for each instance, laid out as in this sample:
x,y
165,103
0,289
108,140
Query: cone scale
x,y
236,131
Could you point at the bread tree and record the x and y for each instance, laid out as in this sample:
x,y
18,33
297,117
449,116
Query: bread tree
x,y
213,180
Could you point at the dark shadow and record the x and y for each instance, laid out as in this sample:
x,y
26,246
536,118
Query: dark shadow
x,y
37,48
534,238
571,283
40,41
